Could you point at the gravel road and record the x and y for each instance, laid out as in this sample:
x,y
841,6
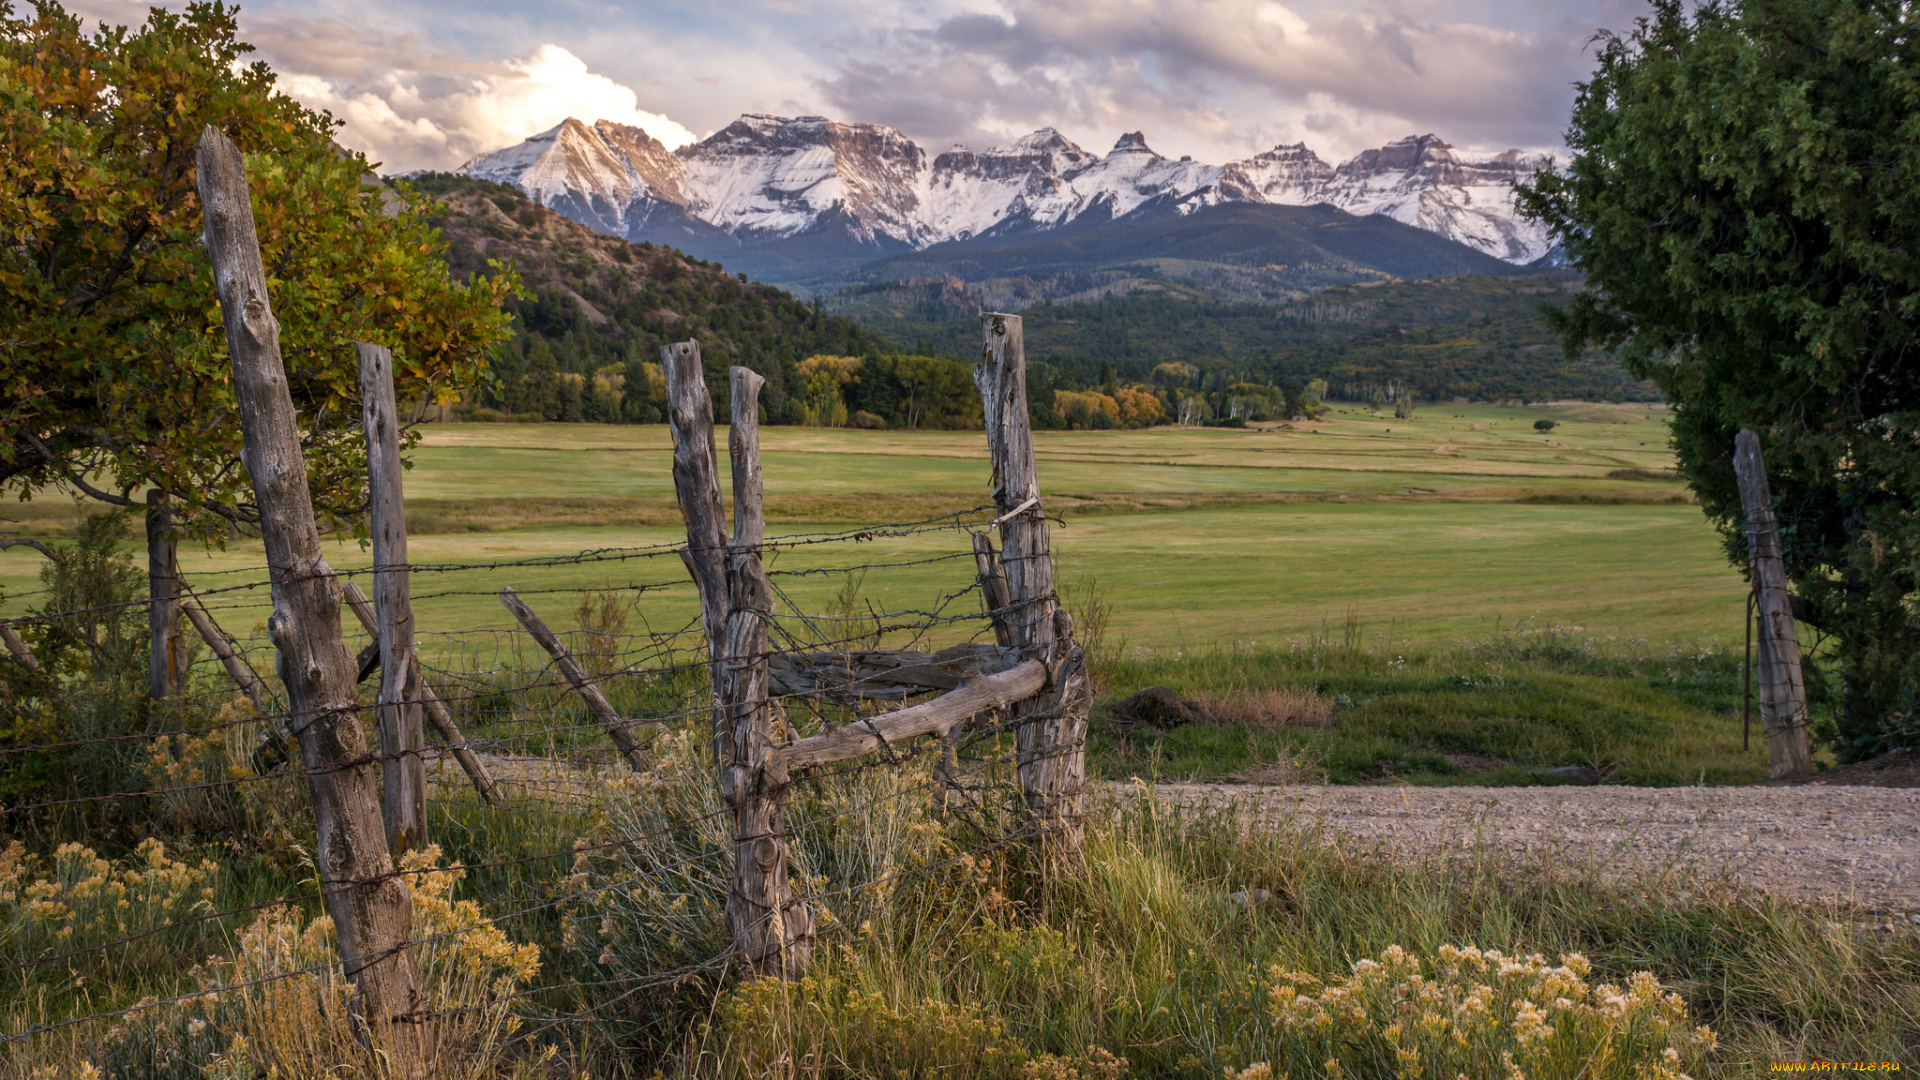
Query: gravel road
x,y
1857,845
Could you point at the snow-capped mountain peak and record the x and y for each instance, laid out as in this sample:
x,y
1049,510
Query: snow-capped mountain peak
x,y
769,177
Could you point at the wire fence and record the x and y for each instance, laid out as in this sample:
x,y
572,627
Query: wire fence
x,y
569,821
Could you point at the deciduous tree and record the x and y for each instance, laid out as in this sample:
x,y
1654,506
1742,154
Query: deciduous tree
x,y
113,369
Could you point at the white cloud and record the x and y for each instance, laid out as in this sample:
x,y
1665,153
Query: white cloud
x,y
435,119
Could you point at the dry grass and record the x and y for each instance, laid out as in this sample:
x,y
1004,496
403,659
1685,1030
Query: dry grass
x,y
1269,707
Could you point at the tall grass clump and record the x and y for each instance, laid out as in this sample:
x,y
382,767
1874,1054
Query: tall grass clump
x,y
1191,945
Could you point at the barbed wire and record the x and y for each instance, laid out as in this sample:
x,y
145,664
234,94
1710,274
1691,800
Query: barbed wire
x,y
529,708
575,851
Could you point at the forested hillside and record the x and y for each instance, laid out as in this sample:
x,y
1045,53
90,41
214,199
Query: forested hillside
x,y
587,335
1467,335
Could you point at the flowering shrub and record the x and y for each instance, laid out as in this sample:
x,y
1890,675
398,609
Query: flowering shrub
x,y
1475,1014
290,1014
81,899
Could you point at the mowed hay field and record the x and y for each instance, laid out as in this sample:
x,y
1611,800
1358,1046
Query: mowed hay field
x,y
1459,521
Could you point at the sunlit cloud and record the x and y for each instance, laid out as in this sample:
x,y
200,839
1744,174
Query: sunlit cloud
x,y
396,121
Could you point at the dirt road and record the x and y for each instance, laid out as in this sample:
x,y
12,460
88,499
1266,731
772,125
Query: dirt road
x,y
1855,844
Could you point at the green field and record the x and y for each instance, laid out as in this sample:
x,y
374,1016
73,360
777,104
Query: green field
x,y
1459,521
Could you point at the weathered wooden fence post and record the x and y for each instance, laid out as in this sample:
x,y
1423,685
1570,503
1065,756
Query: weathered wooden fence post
x,y
771,926
1050,740
696,483
18,647
403,744
370,905
617,727
993,589
242,676
166,648
1783,693
436,710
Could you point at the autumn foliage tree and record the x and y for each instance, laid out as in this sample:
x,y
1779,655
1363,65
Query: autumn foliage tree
x,y
113,369
1743,197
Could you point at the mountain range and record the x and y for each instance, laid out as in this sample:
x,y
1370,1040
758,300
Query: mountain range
x,y
819,204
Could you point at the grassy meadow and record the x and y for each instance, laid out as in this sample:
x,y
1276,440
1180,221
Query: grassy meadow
x,y
1485,598
1452,599
1459,521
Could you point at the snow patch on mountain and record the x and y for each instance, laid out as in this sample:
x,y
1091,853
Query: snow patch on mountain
x,y
774,177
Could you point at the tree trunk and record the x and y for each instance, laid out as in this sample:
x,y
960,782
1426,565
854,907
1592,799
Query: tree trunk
x,y
166,648
370,905
1050,739
1783,693
403,743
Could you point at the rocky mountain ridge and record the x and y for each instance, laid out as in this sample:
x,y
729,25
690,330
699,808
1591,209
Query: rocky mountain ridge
x,y
868,187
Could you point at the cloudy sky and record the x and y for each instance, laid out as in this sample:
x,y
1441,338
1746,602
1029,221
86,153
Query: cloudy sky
x,y
430,83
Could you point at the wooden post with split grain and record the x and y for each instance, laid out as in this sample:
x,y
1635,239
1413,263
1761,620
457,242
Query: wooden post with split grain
x,y
166,647
993,588
403,742
430,702
618,728
772,928
770,922
1783,692
696,483
1050,736
370,905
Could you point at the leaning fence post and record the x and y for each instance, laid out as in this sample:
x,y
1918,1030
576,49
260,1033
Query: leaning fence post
x,y
403,776
771,926
11,638
1783,693
422,692
617,726
237,670
370,905
275,745
1051,728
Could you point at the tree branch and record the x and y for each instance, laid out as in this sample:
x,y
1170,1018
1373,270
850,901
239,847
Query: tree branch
x,y
73,478
35,545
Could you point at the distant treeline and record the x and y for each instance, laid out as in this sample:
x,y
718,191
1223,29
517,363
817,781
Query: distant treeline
x,y
1467,336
